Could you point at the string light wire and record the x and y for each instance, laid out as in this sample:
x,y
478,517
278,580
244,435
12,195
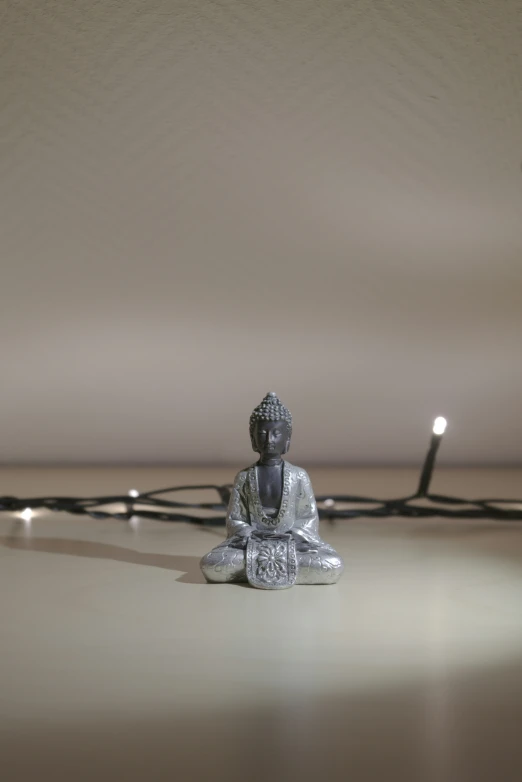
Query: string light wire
x,y
154,504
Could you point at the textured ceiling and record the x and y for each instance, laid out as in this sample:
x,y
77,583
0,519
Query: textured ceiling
x,y
202,201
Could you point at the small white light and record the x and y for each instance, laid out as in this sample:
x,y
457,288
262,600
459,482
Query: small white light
x,y
134,493
27,514
329,503
439,425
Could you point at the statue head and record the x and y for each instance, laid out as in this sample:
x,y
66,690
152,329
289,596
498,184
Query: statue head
x,y
271,426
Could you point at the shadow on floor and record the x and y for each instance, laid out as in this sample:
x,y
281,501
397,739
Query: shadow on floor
x,y
189,566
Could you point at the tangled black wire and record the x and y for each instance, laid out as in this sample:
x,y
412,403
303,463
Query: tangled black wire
x,y
152,505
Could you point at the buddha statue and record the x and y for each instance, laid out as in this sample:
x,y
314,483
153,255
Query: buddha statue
x,y
272,523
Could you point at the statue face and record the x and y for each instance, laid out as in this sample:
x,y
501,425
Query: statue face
x,y
271,437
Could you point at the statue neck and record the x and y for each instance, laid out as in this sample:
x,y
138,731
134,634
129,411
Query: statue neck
x,y
270,460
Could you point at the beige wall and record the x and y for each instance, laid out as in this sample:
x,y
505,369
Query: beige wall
x,y
205,201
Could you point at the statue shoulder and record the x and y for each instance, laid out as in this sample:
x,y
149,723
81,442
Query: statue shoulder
x,y
297,472
241,477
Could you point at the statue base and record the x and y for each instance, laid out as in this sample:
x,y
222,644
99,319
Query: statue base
x,y
271,561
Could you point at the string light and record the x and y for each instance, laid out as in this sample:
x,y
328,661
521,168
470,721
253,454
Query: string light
x,y
439,425
154,506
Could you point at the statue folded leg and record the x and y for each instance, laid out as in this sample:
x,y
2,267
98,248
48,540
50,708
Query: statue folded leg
x,y
224,564
319,566
316,564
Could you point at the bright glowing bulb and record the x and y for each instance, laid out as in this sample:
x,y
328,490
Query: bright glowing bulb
x,y
27,514
134,493
439,425
329,503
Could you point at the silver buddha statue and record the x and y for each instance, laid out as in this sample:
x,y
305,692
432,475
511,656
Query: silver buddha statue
x,y
272,521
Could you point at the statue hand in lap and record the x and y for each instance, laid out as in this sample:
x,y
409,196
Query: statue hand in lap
x,y
272,499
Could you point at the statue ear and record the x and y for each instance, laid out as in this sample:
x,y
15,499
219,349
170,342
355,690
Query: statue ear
x,y
287,446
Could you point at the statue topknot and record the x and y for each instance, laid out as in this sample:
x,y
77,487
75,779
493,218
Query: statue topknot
x,y
271,409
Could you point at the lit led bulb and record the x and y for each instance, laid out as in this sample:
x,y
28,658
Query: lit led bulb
x,y
329,503
439,425
134,493
27,514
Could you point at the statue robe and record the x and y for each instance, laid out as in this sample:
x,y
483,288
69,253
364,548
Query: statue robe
x,y
318,563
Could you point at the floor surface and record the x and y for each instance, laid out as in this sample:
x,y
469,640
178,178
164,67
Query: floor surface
x,y
117,661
